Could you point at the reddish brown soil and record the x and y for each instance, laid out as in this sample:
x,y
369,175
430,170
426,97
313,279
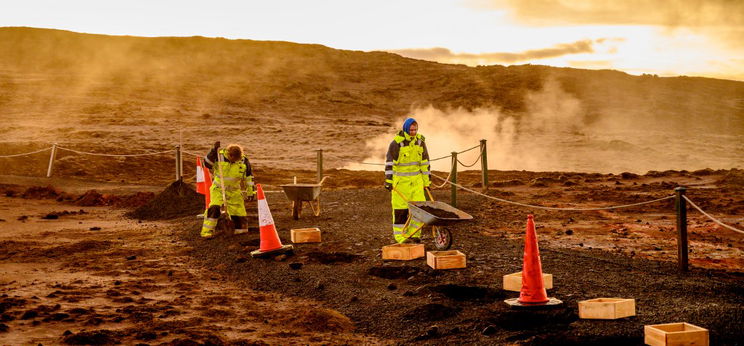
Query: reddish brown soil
x,y
124,281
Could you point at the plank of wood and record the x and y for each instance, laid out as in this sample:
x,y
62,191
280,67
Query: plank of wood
x,y
305,235
452,259
676,334
606,308
402,252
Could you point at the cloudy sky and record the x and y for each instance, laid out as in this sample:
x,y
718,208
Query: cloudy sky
x,y
664,37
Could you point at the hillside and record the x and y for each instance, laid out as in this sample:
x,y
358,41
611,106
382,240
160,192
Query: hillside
x,y
78,89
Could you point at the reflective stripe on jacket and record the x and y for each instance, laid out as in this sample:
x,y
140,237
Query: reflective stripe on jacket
x,y
407,158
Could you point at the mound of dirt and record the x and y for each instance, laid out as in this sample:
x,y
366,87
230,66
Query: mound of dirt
x,y
734,178
41,192
320,320
90,198
177,200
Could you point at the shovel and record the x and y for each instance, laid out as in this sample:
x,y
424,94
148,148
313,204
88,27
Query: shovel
x,y
224,214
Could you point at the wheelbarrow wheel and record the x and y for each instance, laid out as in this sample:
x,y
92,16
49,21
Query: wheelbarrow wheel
x,y
296,209
442,238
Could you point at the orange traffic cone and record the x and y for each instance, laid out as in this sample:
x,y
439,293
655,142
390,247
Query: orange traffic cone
x,y
203,182
270,243
533,293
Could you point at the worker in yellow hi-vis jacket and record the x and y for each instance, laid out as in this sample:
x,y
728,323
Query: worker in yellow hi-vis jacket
x,y
231,169
407,174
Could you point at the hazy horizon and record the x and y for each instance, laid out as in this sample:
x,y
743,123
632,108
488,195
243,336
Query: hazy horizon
x,y
665,38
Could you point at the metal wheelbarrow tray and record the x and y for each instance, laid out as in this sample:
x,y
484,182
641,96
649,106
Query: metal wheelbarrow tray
x,y
301,193
419,214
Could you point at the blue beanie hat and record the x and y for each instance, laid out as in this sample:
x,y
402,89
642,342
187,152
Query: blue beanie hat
x,y
407,124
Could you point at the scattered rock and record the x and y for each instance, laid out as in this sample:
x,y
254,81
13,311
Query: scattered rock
x,y
489,330
96,228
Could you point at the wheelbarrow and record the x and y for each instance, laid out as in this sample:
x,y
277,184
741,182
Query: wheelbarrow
x,y
298,194
437,215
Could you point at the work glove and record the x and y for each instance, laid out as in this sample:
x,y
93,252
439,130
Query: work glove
x,y
216,145
388,186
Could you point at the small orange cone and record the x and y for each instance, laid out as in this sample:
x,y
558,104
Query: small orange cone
x,y
203,182
270,243
533,293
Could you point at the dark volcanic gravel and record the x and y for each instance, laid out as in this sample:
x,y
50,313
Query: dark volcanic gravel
x,y
466,306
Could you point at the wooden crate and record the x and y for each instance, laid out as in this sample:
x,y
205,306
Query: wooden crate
x,y
452,259
305,235
681,333
402,252
606,308
513,281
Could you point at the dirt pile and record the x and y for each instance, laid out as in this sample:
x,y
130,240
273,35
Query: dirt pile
x,y
177,200
734,178
324,320
43,192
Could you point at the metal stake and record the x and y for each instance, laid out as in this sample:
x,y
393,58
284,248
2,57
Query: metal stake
x,y
484,165
453,179
320,165
51,159
681,207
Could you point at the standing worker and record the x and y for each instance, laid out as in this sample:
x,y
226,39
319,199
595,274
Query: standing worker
x,y
407,174
231,169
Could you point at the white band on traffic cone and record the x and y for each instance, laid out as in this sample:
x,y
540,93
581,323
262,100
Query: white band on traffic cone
x,y
264,214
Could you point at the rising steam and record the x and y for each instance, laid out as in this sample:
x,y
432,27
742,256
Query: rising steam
x,y
555,134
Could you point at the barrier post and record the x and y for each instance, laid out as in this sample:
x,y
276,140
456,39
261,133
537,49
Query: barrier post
x,y
484,165
179,163
51,160
453,188
320,165
681,207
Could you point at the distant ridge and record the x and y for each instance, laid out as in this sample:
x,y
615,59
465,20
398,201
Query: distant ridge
x,y
273,77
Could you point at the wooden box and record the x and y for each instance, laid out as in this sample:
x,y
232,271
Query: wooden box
x,y
606,308
402,252
452,259
305,235
681,333
513,281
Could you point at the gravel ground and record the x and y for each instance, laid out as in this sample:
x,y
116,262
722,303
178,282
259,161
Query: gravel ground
x,y
407,302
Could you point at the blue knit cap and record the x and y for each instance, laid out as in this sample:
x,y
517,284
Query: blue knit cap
x,y
407,124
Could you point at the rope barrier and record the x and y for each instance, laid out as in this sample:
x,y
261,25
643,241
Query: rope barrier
x,y
711,217
113,155
473,164
445,181
440,158
553,208
24,154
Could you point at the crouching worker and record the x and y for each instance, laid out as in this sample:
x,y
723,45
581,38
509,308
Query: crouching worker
x,y
406,176
231,169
